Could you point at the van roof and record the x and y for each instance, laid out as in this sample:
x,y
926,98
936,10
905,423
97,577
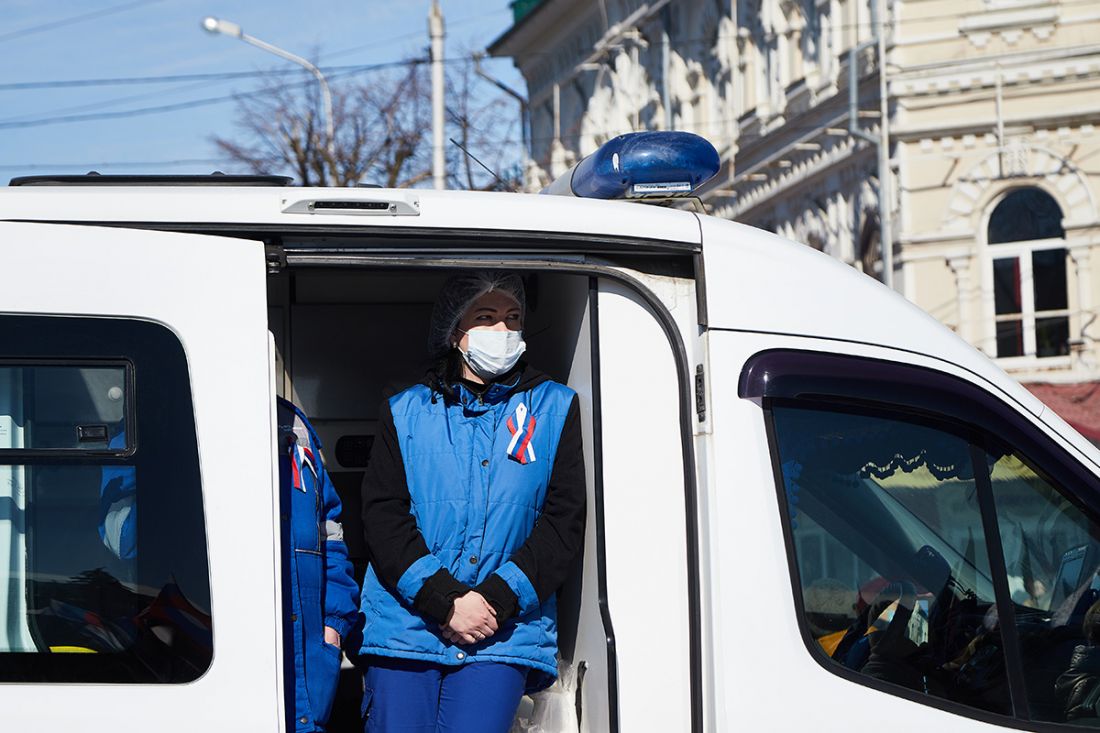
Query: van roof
x,y
292,208
97,179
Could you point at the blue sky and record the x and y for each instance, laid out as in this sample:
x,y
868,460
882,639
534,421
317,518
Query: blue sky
x,y
67,40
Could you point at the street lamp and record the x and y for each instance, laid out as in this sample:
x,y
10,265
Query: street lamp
x,y
231,29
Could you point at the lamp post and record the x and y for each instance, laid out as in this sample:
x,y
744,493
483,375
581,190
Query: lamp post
x,y
233,30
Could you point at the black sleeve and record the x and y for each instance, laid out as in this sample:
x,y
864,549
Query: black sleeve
x,y
547,555
392,538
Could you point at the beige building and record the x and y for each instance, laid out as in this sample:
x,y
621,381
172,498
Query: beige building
x,y
994,159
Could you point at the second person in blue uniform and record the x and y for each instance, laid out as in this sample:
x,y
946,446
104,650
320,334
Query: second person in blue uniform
x,y
317,576
473,510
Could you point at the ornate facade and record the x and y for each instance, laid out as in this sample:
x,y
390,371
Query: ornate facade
x,y
994,160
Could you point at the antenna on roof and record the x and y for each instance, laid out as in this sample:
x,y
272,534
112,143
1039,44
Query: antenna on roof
x,y
474,158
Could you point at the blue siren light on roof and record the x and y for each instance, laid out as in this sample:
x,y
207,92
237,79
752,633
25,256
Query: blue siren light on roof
x,y
640,165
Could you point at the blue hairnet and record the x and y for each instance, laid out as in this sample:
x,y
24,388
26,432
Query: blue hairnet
x,y
459,293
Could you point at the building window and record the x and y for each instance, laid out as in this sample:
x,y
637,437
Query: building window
x,y
103,567
1030,296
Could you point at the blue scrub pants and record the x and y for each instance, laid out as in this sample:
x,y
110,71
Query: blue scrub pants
x,y
421,697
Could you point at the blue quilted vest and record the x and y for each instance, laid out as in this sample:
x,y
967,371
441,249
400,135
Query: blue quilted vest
x,y
477,490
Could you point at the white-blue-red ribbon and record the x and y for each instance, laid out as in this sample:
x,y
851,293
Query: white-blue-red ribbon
x,y
302,456
522,427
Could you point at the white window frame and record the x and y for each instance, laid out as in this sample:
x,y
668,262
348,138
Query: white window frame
x,y
1022,251
990,252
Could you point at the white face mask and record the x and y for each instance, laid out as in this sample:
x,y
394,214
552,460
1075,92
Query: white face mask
x,y
492,353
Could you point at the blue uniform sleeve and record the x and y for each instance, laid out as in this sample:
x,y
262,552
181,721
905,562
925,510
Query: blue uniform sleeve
x,y
118,506
341,593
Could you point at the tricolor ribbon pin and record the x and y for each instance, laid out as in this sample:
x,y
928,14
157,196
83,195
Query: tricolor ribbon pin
x,y
301,456
519,447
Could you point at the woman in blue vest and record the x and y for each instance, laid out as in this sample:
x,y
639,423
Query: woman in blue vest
x,y
473,510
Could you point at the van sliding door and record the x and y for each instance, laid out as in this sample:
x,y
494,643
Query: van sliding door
x,y
135,569
644,513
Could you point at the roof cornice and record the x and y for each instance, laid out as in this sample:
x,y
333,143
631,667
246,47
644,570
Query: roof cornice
x,y
532,27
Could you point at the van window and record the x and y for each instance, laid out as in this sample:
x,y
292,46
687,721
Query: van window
x,y
63,407
891,553
103,565
1052,560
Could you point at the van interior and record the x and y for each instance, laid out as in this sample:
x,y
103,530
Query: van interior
x,y
346,338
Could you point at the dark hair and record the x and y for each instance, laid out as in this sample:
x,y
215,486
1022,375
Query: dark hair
x,y
1091,625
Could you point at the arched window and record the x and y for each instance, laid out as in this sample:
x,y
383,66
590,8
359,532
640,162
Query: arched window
x,y
1027,246
1026,214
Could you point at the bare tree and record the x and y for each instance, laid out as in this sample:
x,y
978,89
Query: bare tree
x,y
383,132
483,124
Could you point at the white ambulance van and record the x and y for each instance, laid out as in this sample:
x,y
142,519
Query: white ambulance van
x,y
810,504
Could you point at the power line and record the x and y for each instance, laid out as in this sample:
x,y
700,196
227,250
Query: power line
x,y
24,122
334,72
223,75
212,76
103,103
103,12
12,124
216,75
118,164
175,107
138,80
409,36
141,111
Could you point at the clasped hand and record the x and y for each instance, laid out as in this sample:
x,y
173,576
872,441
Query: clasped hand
x,y
471,620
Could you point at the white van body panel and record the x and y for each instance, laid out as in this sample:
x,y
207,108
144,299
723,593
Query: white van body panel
x,y
760,282
210,291
457,210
